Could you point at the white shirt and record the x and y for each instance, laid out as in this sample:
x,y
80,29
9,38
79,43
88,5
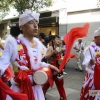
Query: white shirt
x,y
79,46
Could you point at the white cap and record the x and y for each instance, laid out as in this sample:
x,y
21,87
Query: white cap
x,y
27,16
97,32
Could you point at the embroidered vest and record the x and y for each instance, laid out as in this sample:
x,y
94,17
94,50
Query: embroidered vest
x,y
21,59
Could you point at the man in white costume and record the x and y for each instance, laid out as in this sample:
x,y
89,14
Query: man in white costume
x,y
26,53
92,63
79,47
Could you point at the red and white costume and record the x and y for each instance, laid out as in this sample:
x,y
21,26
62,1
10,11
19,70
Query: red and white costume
x,y
93,51
11,54
58,79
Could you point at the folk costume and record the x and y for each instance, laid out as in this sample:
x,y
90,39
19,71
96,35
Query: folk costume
x,y
91,81
26,59
58,79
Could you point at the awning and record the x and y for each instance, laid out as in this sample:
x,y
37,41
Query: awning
x,y
43,22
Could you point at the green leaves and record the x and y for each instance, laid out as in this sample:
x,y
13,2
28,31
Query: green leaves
x,y
21,5
4,8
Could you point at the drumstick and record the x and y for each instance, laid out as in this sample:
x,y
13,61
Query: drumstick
x,y
90,53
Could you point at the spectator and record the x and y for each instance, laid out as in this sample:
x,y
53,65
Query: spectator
x,y
79,47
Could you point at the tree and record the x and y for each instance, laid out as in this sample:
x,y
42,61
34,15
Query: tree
x,y
98,3
5,5
21,5
4,8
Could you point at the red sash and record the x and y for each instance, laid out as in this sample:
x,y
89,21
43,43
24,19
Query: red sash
x,y
24,83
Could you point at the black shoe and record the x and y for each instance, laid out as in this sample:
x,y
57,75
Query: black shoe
x,y
45,98
81,70
76,69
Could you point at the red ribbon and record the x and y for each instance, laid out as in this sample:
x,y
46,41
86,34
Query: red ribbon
x,y
72,56
4,89
24,83
8,74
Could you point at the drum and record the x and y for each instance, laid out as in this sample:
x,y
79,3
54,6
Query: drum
x,y
42,75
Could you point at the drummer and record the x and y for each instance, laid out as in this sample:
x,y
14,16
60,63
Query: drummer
x,y
55,50
26,53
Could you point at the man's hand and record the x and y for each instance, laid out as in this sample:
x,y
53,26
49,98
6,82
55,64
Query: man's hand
x,y
78,50
92,62
54,68
82,48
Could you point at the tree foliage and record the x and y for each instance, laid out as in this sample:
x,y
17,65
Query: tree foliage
x,y
21,5
4,8
98,3
5,5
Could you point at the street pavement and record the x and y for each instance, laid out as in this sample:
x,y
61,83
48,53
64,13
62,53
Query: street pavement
x,y
73,83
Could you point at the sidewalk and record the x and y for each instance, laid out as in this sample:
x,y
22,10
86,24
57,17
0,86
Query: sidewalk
x,y
73,84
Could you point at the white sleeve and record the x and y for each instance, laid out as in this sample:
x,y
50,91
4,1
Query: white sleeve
x,y
43,64
82,44
5,58
87,56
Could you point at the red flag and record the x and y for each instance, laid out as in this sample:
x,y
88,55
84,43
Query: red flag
x,y
4,89
69,39
72,56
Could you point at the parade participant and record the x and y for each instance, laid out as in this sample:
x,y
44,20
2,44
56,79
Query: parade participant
x,y
79,47
92,63
56,51
26,53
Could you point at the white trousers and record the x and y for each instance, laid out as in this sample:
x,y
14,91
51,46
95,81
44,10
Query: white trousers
x,y
79,60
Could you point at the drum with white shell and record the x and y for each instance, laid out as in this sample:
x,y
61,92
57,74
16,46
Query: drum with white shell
x,y
42,75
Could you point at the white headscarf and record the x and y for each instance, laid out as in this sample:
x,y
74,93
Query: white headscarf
x,y
27,16
97,32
